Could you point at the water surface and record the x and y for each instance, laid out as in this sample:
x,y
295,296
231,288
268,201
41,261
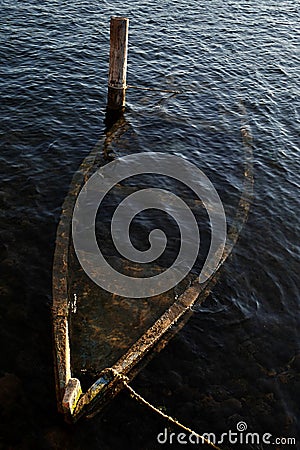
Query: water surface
x,y
238,359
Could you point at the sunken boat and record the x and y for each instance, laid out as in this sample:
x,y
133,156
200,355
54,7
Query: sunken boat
x,y
99,337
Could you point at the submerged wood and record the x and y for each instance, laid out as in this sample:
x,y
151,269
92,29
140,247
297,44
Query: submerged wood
x,y
173,311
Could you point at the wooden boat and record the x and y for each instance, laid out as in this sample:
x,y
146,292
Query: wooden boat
x,y
99,337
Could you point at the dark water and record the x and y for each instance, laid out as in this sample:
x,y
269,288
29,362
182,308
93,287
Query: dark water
x,y
238,359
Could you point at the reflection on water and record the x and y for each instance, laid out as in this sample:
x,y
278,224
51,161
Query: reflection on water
x,y
238,358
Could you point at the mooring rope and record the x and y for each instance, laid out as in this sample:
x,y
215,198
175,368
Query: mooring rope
x,y
141,88
144,402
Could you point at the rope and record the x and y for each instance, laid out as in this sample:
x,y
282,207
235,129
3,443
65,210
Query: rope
x,y
141,400
154,89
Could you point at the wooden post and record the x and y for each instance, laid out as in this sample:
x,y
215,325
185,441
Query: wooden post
x,y
117,63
